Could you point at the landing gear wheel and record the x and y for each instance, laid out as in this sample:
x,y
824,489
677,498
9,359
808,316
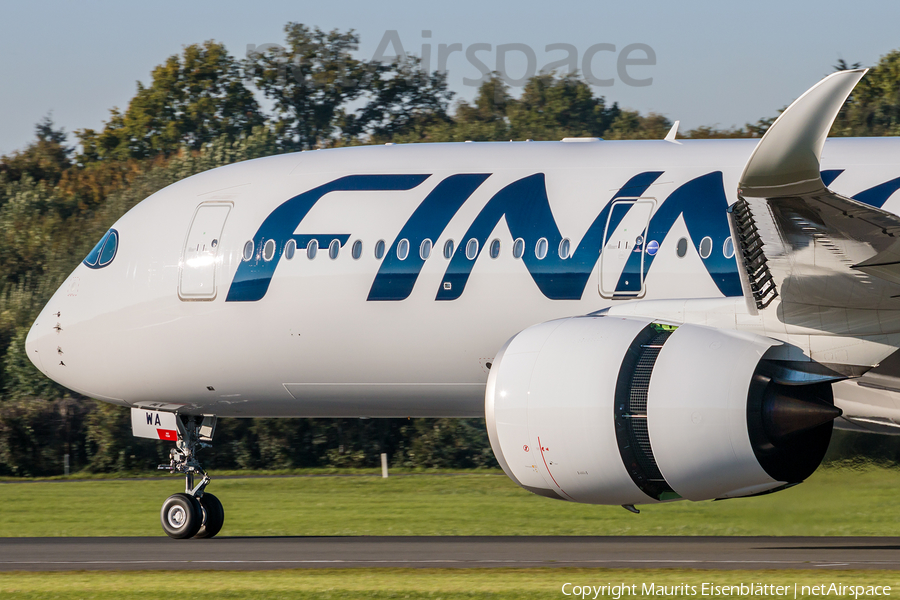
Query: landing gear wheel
x,y
192,513
213,516
181,516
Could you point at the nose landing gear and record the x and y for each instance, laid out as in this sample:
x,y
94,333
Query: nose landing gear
x,y
194,513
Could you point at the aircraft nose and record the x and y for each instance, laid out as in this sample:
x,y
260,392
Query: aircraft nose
x,y
33,345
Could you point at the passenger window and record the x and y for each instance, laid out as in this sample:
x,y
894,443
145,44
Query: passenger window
x,y
495,248
334,248
403,249
564,247
681,247
448,249
379,249
312,248
356,251
289,249
728,248
248,250
540,250
706,247
269,250
472,249
519,248
425,249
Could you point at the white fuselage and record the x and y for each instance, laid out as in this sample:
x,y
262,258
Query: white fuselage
x,y
316,343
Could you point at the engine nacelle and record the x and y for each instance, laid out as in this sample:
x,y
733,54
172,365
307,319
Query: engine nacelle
x,y
609,410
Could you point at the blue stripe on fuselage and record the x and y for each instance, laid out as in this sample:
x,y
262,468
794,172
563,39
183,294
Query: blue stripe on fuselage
x,y
397,277
874,196
878,195
703,205
525,206
251,281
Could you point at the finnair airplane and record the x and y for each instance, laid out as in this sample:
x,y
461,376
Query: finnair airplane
x,y
638,321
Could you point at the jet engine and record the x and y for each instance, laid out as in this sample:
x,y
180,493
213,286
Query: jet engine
x,y
610,410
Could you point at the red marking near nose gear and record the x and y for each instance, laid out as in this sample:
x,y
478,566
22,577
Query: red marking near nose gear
x,y
548,468
167,434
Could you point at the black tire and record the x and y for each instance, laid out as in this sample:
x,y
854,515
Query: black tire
x,y
181,516
213,516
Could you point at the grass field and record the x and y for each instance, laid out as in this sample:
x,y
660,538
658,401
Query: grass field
x,y
410,583
832,502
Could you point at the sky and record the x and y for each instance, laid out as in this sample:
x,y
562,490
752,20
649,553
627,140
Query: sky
x,y
712,63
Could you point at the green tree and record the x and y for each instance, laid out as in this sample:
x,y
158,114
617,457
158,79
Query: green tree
x,y
193,99
631,125
484,120
309,81
448,444
873,108
20,379
552,108
45,159
35,435
400,100
749,130
110,446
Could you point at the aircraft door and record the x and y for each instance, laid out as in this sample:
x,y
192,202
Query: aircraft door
x,y
199,258
624,242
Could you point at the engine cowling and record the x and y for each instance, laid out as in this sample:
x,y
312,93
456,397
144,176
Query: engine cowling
x,y
611,410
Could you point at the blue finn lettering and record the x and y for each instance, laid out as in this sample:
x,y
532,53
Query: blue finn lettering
x,y
251,282
396,277
525,208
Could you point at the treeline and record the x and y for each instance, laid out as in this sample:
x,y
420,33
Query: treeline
x,y
200,111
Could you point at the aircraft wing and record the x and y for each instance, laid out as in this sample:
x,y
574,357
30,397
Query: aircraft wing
x,y
820,260
829,260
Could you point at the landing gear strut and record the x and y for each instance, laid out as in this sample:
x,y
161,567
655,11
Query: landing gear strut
x,y
194,513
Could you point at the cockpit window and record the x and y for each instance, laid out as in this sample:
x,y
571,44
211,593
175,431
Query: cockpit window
x,y
104,252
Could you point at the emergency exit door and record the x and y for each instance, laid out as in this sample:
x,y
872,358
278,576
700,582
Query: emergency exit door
x,y
624,242
199,258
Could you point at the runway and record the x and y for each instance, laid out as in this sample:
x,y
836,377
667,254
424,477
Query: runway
x,y
258,553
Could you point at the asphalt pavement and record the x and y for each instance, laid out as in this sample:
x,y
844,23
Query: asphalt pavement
x,y
257,553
